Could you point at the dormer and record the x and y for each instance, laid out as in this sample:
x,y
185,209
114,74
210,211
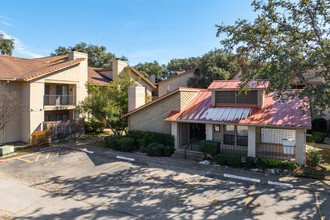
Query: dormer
x,y
226,93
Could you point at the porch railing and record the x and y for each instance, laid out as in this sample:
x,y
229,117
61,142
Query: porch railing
x,y
59,100
272,151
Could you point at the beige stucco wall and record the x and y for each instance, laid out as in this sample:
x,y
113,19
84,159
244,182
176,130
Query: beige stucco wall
x,y
142,83
174,83
31,114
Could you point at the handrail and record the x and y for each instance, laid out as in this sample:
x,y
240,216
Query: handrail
x,y
185,150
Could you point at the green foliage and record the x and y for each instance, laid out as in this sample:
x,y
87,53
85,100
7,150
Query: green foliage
x,y
317,137
168,150
288,165
214,65
314,157
275,163
152,137
142,144
6,45
288,40
176,65
151,68
93,126
209,147
97,55
249,162
319,125
220,159
126,144
233,161
109,102
155,149
113,142
265,163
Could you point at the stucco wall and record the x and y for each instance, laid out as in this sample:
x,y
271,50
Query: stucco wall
x,y
144,84
174,83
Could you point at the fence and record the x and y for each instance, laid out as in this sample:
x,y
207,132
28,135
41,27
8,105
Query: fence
x,y
65,129
59,100
272,151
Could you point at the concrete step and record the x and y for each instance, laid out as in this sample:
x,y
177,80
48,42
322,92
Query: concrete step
x,y
191,155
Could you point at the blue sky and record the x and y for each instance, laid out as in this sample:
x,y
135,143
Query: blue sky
x,y
141,30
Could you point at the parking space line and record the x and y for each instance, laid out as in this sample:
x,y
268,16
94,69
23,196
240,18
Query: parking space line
x,y
29,161
318,207
195,182
178,186
47,155
122,164
37,157
248,200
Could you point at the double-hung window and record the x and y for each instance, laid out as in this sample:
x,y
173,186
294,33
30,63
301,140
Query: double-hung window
x,y
238,134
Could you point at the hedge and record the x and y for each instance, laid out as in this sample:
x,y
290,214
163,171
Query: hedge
x,y
93,126
229,160
151,137
249,162
209,147
119,143
155,149
264,163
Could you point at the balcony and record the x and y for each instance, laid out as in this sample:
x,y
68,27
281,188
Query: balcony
x,y
59,100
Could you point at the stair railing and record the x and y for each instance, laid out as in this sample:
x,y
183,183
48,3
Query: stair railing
x,y
189,144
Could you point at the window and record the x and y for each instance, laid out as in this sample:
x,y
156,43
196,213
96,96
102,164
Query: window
x,y
233,97
47,118
229,134
62,117
275,136
242,135
168,89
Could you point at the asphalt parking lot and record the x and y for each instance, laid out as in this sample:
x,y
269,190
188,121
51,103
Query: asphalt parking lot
x,y
67,184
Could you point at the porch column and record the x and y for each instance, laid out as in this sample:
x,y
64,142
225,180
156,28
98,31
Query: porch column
x,y
300,146
209,132
252,141
175,133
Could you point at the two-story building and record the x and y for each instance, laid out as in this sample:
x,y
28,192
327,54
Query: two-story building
x,y
252,124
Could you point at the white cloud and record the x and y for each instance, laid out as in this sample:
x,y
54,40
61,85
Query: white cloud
x,y
6,18
20,47
6,23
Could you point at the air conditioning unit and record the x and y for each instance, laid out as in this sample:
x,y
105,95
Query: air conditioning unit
x,y
7,149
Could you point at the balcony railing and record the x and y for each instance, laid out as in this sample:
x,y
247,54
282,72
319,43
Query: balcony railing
x,y
59,100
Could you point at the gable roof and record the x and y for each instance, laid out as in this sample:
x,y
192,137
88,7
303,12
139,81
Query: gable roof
x,y
179,74
234,84
23,69
160,98
141,76
96,77
273,113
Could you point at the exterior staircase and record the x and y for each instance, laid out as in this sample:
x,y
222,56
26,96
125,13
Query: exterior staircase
x,y
191,155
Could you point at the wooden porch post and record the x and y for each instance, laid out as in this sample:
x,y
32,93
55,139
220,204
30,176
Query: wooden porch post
x,y
252,141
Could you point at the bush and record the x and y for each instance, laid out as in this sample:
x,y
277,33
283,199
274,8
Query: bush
x,y
168,150
263,162
319,125
288,165
152,137
155,149
126,144
220,159
314,157
234,161
318,137
249,162
113,142
93,126
209,147
275,163
41,137
142,145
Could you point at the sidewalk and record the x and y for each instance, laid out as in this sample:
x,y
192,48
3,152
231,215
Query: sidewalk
x,y
210,170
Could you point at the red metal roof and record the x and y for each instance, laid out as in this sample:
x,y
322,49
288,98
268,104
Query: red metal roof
x,y
273,113
234,84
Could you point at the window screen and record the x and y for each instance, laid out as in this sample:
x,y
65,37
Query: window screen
x,y
242,135
250,98
225,97
229,134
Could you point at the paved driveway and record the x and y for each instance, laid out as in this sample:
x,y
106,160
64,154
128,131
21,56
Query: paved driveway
x,y
68,184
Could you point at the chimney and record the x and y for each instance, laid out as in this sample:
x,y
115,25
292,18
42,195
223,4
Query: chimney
x,y
136,97
152,79
118,66
75,55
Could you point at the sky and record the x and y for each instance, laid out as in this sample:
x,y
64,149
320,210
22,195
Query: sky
x,y
141,30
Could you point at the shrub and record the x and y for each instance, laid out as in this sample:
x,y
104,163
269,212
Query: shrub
x,y
319,125
142,145
209,147
220,159
275,163
41,137
93,126
152,137
289,165
314,157
263,162
135,134
249,162
318,137
310,139
155,149
126,144
234,161
113,142
168,150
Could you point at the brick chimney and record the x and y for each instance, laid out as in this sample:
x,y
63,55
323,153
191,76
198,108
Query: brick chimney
x,y
118,66
136,97
75,55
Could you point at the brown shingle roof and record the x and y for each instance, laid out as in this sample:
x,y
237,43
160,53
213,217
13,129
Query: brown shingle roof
x,y
15,68
178,74
96,77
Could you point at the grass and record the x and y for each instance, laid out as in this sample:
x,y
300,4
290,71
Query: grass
x,y
99,143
